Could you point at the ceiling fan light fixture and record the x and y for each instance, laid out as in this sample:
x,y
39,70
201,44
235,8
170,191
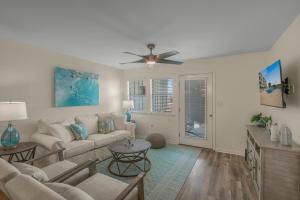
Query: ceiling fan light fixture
x,y
151,59
151,62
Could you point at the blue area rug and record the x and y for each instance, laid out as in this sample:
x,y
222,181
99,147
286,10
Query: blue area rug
x,y
170,168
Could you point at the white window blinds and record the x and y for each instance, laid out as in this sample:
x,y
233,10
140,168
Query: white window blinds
x,y
162,95
136,93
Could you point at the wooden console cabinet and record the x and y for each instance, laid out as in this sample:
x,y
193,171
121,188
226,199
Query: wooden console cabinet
x,y
275,169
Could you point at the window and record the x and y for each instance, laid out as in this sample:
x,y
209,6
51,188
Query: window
x,y
162,95
136,92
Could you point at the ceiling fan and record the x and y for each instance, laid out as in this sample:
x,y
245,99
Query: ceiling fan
x,y
152,59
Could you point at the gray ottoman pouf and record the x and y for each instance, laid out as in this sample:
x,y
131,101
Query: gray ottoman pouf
x,y
157,140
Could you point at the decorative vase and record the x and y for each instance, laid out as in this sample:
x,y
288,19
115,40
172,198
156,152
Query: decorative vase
x,y
285,136
260,124
10,137
274,132
128,116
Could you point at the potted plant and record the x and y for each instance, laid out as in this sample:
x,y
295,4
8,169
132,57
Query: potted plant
x,y
261,121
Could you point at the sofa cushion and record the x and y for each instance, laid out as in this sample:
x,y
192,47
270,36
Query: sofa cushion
x,y
32,171
69,192
80,131
60,167
77,147
89,121
120,134
105,139
119,121
62,131
43,124
25,187
102,187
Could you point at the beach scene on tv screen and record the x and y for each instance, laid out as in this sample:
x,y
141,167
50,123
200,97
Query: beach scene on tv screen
x,y
270,85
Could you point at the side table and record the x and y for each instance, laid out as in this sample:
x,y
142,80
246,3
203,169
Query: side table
x,y
22,153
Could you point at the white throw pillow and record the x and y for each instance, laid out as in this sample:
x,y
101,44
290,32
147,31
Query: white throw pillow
x,y
32,171
69,192
43,127
119,121
62,131
90,122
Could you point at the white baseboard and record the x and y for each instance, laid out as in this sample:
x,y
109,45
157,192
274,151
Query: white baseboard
x,y
234,152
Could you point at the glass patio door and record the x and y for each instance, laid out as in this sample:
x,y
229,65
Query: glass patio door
x,y
196,110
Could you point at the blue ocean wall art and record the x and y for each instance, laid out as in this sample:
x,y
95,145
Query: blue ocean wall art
x,y
75,88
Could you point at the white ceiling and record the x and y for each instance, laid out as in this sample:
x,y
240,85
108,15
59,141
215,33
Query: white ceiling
x,y
100,30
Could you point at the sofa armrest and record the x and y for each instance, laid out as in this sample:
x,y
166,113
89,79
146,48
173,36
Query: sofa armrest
x,y
129,126
137,182
59,153
49,142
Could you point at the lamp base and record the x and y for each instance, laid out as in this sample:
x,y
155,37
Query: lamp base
x,y
10,137
128,116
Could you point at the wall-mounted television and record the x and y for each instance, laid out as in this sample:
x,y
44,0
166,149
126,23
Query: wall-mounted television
x,y
271,86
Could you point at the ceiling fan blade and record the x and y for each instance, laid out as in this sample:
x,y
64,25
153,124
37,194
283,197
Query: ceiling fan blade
x,y
164,61
168,54
133,54
138,61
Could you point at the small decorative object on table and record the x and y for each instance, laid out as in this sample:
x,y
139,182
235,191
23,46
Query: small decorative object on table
x,y
11,111
129,143
127,105
262,121
274,132
285,136
22,153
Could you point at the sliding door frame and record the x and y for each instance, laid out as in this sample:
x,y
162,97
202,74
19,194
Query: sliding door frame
x,y
213,112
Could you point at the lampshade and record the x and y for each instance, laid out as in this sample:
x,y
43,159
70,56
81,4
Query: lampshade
x,y
10,111
127,104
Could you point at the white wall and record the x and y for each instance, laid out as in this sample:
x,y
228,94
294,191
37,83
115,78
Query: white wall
x,y
237,97
26,74
237,94
287,48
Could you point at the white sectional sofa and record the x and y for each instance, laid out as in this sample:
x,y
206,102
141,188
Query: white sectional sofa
x,y
55,135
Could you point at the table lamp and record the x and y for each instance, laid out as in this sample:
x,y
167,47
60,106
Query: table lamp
x,y
127,105
11,111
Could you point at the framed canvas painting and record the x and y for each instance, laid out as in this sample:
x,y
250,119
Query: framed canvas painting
x,y
74,88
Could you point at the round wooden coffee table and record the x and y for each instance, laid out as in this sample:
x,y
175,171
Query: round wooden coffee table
x,y
131,154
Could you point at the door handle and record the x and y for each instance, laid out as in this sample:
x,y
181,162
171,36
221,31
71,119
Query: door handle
x,y
210,115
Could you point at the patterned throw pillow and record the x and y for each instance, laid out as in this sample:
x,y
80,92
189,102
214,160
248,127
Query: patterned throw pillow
x,y
106,125
32,171
80,132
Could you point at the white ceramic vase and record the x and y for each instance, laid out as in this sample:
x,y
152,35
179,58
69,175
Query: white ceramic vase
x,y
274,133
285,136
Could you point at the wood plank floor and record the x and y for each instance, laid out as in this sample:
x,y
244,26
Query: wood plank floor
x,y
218,176
2,196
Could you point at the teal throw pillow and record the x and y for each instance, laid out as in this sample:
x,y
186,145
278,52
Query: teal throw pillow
x,y
80,132
106,125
